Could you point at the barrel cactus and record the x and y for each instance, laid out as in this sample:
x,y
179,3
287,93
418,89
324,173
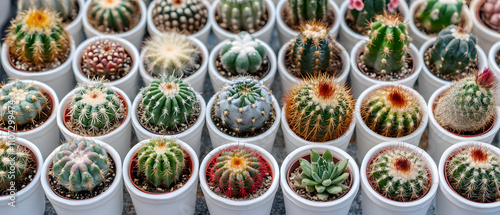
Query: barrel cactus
x,y
63,7
188,16
242,54
491,13
106,59
241,15
13,162
21,102
111,16
361,12
435,15
302,11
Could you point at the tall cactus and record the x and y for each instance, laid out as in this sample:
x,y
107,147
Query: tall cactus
x,y
106,59
13,162
63,7
361,12
491,14
188,16
302,11
242,15
113,15
242,54
22,103
435,15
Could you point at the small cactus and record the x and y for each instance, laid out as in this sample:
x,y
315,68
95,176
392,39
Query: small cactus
x,y
113,15
188,16
63,7
392,111
491,14
106,59
242,15
302,11
13,162
361,12
242,54
80,165
435,15
21,102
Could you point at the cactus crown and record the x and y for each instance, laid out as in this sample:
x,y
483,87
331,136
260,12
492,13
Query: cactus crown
x,y
242,15
435,15
490,14
106,59
22,103
361,12
302,11
242,54
63,7
187,16
13,162
114,16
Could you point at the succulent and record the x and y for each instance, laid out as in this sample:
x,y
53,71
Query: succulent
x,y
435,15
63,7
13,162
491,13
361,12
469,104
392,111
302,11
241,15
80,165
113,15
319,109
399,173
161,160
244,105
106,59
242,54
322,176
474,173
188,16
21,102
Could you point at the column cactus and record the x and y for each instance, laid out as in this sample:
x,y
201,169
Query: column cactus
x,y
302,11
491,14
113,15
188,16
106,59
22,103
361,12
435,15
242,54
63,7
13,162
241,15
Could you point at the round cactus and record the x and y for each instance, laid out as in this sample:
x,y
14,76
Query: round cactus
x,y
491,13
302,11
188,16
113,15
63,7
106,59
21,102
435,15
242,54
361,12
242,15
13,162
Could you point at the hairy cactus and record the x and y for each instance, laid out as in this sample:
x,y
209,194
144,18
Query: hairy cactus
x,y
399,174
106,59
469,104
113,15
302,11
161,160
474,173
392,111
491,13
436,15
244,104
63,7
361,12
322,176
319,109
21,102
13,162
188,16
242,15
80,165
242,54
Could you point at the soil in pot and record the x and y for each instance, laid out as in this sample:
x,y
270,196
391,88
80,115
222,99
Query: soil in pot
x,y
406,71
258,75
286,16
473,67
497,57
226,130
161,130
335,69
134,19
260,25
94,61
23,180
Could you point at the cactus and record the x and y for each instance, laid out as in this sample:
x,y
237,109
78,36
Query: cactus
x,y
242,54
392,111
21,102
322,176
361,12
106,59
399,174
161,160
188,16
491,14
302,11
80,165
113,15
63,7
319,109
242,15
469,104
13,162
244,105
473,172
387,46
435,15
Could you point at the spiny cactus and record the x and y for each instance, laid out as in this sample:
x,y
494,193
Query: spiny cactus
x,y
242,15
80,165
242,54
474,173
392,111
435,15
302,11
13,162
322,176
63,7
188,16
491,13
469,104
21,102
399,174
113,15
161,160
361,12
319,109
106,59
244,104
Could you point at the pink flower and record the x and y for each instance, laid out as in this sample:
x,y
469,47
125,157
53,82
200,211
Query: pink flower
x,y
392,5
486,78
356,4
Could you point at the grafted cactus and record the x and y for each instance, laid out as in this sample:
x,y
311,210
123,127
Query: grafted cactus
x,y
242,54
436,15
491,13
62,7
302,11
113,15
188,16
13,162
106,59
361,12
21,103
242,15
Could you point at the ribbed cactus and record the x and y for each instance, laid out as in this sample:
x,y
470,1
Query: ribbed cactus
x,y
469,104
435,15
319,109
399,174
361,12
21,102
241,15
491,13
80,165
113,15
392,111
242,54
474,173
302,11
244,104
106,59
62,7
13,162
322,175
161,160
188,16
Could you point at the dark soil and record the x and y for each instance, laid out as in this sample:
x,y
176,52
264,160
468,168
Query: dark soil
x,y
473,67
161,130
285,14
198,59
266,183
38,121
311,196
406,71
226,130
259,74
23,180
127,65
136,17
497,58
73,14
20,65
263,22
335,69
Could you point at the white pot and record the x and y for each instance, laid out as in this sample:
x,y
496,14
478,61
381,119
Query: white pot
x,y
285,33
191,136
181,201
486,37
30,199
296,205
360,82
134,35
493,65
60,78
75,28
264,33
348,38
218,81
201,35
223,206
109,202
374,203
196,80
264,140
440,139
288,80
5,12
120,138
366,138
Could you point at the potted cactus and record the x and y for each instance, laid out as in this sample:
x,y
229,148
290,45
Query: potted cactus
x,y
239,178
242,55
485,16
168,106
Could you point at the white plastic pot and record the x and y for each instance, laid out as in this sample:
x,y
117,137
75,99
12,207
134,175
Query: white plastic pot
x,y
493,65
374,203
110,202
485,36
223,206
75,28
264,140
181,201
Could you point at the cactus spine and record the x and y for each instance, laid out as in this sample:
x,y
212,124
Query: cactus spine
x,y
242,15
106,59
113,15
242,54
188,16
491,14
436,15
22,103
361,12
62,7
13,162
302,11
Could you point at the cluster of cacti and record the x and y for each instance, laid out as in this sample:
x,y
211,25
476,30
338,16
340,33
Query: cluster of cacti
x,y
399,174
387,46
319,109
188,16
244,105
361,12
474,173
302,11
322,176
161,160
491,13
241,15
469,104
13,162
80,165
242,54
21,102
435,15
63,7
392,111
106,59
453,53
113,15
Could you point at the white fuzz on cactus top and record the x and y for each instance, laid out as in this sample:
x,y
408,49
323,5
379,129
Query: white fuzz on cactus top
x,y
244,45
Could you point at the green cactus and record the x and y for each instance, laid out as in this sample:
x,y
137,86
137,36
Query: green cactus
x,y
242,54
13,162
80,165
302,11
106,59
63,7
113,15
361,12
435,15
188,16
21,102
242,15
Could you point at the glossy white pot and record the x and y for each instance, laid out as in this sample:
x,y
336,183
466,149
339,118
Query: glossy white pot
x,y
486,37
